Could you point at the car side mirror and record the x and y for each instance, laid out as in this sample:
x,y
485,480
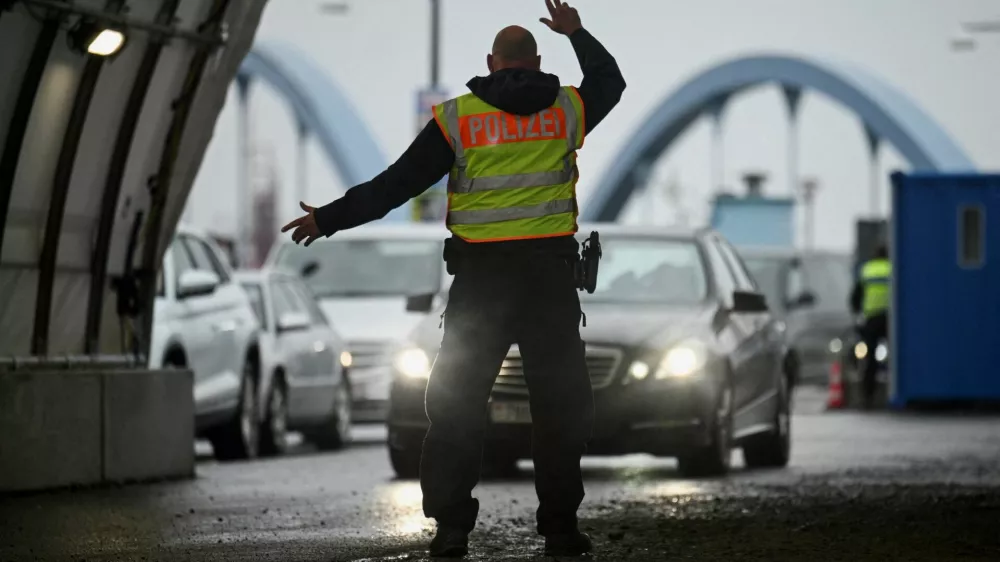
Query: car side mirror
x,y
805,300
293,321
420,303
748,302
197,282
309,269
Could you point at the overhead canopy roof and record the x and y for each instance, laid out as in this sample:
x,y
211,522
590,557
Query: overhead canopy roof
x,y
92,149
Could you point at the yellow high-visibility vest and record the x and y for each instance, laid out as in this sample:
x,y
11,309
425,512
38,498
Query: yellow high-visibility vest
x,y
875,277
514,176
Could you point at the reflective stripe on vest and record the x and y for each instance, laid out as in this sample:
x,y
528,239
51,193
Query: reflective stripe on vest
x,y
513,174
876,276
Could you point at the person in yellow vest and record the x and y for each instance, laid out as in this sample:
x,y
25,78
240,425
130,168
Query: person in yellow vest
x,y
509,149
871,298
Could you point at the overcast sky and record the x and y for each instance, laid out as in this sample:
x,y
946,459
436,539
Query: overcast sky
x,y
378,53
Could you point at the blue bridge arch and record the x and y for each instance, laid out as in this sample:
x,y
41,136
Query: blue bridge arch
x,y
319,105
886,111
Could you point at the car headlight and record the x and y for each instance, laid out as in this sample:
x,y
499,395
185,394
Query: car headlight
x,y
836,345
346,359
413,363
639,370
881,352
682,360
860,350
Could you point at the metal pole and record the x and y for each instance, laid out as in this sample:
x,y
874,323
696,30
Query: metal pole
x,y
718,164
243,189
808,198
792,97
435,42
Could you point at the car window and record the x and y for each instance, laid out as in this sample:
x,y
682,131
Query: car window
x,y
723,276
205,259
367,267
743,280
256,295
795,282
307,298
285,301
770,276
181,258
829,278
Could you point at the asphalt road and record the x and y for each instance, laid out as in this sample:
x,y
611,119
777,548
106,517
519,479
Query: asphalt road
x,y
861,486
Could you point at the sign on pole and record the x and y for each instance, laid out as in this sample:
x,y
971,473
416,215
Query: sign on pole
x,y
431,205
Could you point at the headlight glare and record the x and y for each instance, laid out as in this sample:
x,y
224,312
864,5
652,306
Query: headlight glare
x,y
346,359
682,360
414,363
881,352
639,370
860,350
836,345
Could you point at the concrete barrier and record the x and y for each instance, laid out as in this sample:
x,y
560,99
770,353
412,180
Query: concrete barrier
x,y
85,426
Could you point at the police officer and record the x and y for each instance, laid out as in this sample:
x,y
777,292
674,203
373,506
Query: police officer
x,y
509,147
870,298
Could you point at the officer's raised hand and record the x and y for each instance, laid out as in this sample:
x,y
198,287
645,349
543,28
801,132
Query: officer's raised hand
x,y
305,226
562,17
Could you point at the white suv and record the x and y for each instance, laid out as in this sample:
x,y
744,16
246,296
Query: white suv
x,y
204,321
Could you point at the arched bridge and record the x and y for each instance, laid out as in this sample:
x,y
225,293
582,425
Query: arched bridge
x,y
885,111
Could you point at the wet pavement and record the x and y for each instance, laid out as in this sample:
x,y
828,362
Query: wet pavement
x,y
861,486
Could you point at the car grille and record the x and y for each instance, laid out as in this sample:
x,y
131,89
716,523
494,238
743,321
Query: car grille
x,y
369,354
602,364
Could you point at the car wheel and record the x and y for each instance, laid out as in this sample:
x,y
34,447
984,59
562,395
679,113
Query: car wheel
x,y
336,432
274,430
713,459
238,438
773,449
405,462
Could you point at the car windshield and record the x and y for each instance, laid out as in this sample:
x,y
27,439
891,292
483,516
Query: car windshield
x,y
650,271
367,267
826,277
767,272
829,278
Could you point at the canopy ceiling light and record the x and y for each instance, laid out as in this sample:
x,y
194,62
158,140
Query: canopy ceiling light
x,y
88,36
102,33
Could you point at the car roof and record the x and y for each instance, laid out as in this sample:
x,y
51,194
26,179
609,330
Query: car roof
x,y
389,231
789,253
611,229
262,274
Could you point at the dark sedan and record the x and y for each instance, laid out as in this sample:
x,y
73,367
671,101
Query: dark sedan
x,y
684,359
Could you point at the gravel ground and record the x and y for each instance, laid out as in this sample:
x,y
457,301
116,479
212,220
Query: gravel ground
x,y
859,487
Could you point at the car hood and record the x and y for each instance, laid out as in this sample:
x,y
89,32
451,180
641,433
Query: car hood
x,y
371,318
612,324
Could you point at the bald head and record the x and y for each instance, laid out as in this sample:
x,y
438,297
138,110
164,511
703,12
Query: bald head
x,y
514,47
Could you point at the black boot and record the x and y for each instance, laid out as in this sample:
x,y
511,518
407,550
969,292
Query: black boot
x,y
449,542
568,544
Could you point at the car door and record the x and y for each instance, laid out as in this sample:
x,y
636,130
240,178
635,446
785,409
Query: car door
x,y
193,328
764,362
736,331
221,313
327,355
297,348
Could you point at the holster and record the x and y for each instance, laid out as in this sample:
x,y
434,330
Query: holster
x,y
451,256
585,270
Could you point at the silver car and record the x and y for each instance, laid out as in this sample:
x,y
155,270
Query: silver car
x,y
304,384
809,292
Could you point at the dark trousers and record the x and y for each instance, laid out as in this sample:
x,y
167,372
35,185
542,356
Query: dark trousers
x,y
875,329
495,302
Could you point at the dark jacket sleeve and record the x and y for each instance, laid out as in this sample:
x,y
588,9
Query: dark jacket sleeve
x,y
603,83
426,161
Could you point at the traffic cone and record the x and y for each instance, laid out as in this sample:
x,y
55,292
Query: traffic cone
x,y
835,396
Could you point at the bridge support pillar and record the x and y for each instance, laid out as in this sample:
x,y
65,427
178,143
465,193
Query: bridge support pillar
x,y
244,194
301,166
874,172
793,97
715,112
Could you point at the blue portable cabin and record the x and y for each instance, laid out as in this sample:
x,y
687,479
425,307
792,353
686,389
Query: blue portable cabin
x,y
945,319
